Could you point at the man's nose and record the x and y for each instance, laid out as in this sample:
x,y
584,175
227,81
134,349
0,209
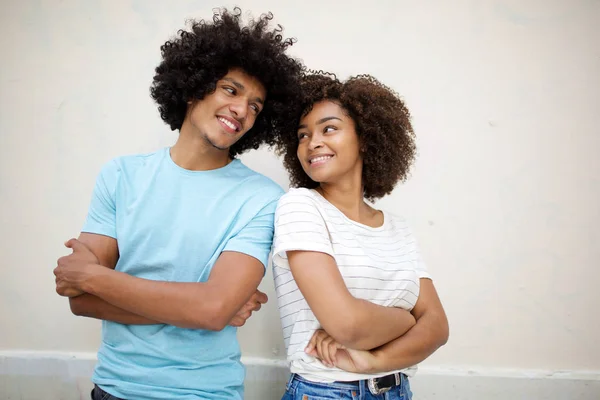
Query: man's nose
x,y
239,108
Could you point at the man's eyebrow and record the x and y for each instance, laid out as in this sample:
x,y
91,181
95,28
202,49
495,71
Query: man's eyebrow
x,y
319,122
242,87
235,83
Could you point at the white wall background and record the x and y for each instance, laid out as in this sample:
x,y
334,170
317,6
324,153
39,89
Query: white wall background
x,y
504,197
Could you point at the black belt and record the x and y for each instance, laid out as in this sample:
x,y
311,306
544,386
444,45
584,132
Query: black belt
x,y
384,383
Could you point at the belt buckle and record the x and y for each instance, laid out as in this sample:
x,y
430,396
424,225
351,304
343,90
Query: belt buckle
x,y
375,389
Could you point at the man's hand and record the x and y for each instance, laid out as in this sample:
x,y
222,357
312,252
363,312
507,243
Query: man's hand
x,y
254,304
72,270
333,354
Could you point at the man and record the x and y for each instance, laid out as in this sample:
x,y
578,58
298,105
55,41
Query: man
x,y
176,242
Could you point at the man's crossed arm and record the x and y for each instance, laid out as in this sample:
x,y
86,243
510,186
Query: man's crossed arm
x,y
96,290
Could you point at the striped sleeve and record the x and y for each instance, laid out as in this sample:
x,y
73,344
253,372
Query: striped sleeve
x,y
421,267
299,225
413,249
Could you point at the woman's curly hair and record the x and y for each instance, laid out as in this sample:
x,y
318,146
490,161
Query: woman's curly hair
x,y
382,121
195,60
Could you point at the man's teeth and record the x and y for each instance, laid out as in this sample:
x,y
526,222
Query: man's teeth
x,y
228,123
322,158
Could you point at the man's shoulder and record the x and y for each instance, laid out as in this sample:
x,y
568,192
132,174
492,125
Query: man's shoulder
x,y
132,161
128,163
257,184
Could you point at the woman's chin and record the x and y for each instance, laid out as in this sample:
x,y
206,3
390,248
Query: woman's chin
x,y
317,178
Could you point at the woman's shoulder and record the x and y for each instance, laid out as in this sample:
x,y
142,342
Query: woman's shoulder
x,y
299,204
300,196
398,224
394,217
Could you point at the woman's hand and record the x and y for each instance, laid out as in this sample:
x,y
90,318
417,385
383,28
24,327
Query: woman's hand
x,y
323,347
333,354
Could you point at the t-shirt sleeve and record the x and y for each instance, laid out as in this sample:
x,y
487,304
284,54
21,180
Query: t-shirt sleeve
x,y
419,263
256,237
101,217
299,225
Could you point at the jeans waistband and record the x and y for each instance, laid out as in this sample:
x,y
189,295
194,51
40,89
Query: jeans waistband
x,y
337,384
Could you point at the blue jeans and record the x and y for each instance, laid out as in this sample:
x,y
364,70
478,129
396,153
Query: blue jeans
x,y
99,394
299,388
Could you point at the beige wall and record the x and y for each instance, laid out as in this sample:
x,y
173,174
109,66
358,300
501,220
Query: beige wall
x,y
504,197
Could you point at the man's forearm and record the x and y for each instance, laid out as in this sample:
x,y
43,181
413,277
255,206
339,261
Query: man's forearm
x,y
422,340
91,306
186,305
376,325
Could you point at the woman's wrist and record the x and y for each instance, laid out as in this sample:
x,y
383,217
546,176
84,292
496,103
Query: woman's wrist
x,y
378,362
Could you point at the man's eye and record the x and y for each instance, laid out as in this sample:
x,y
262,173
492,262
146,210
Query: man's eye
x,y
229,89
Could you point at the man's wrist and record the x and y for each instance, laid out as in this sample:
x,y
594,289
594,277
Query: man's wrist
x,y
92,282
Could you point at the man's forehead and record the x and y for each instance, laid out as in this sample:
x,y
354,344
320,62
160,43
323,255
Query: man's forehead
x,y
245,82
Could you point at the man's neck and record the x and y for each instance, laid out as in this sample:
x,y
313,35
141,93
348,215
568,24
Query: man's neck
x,y
194,153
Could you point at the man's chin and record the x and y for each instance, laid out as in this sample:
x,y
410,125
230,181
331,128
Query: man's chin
x,y
221,144
222,148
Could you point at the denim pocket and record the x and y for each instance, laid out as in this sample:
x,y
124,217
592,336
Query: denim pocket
x,y
332,395
316,391
404,390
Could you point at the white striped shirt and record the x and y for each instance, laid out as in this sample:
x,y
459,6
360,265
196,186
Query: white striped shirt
x,y
382,265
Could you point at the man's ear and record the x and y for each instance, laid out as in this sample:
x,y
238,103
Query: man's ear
x,y
190,105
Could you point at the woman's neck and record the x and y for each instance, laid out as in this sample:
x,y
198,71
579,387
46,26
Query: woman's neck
x,y
348,198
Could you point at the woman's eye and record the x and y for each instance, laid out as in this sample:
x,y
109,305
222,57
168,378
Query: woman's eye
x,y
301,136
255,108
329,128
229,89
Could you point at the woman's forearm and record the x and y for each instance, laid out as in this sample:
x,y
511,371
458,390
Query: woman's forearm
x,y
422,340
375,325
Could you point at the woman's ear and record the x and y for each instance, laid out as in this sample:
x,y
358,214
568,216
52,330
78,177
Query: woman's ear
x,y
363,147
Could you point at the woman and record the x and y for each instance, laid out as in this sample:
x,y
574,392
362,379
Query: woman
x,y
357,305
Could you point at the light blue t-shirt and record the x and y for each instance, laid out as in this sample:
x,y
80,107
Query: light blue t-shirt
x,y
172,224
